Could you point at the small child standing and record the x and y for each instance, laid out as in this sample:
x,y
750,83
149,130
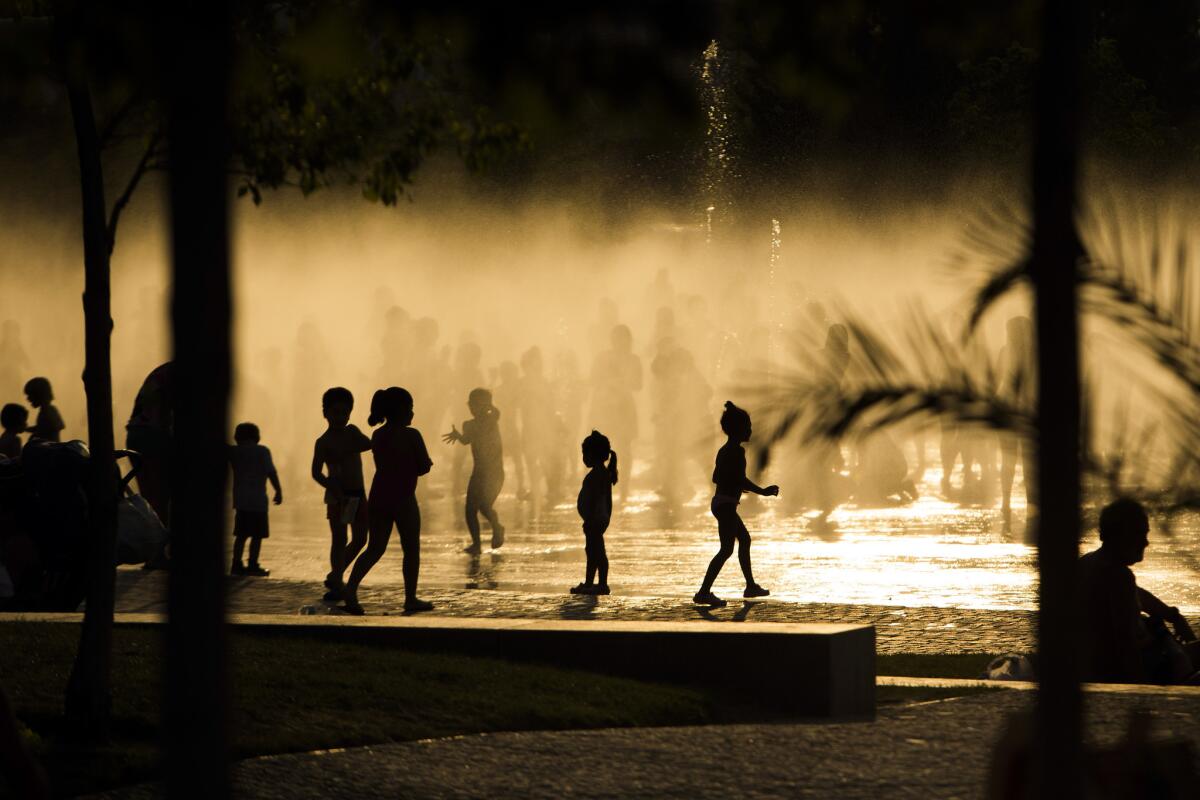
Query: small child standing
x,y
252,468
595,508
482,433
49,423
14,417
339,452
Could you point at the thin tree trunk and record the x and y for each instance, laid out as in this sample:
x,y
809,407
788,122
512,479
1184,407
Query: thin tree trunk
x,y
1056,250
89,691
196,78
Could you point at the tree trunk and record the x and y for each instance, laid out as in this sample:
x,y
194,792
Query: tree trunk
x,y
196,77
89,691
1055,254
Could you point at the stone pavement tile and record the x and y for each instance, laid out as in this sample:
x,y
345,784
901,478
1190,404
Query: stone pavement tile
x,y
926,750
898,630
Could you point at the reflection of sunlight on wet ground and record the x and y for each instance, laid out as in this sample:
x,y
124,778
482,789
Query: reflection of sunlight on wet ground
x,y
930,553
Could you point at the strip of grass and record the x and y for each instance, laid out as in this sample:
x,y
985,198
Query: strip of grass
x,y
924,665
299,693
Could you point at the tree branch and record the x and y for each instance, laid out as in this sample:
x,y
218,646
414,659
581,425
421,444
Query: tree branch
x,y
114,122
138,173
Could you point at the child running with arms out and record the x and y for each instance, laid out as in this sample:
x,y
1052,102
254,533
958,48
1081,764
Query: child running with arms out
x,y
730,478
482,433
400,459
595,508
252,468
337,466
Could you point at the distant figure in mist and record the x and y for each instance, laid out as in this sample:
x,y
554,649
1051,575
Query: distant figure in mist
x,y
616,376
252,469
570,395
1125,639
1016,361
149,432
337,467
508,395
400,459
730,479
49,424
14,361
539,426
14,418
882,474
595,509
482,433
465,376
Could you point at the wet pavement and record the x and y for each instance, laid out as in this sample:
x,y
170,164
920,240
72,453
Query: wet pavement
x,y
898,630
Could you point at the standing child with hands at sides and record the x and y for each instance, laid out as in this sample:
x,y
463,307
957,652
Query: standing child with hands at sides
x,y
337,466
730,478
595,508
252,468
400,459
482,433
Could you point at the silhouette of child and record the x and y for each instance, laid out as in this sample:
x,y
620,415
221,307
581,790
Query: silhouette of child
x,y
482,433
400,459
730,478
595,508
49,423
13,418
252,468
337,466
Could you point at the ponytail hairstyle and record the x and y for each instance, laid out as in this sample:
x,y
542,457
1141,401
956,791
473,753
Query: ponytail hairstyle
x,y
388,404
598,450
735,420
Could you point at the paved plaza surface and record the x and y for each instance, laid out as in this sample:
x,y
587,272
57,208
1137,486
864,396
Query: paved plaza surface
x,y
930,750
898,630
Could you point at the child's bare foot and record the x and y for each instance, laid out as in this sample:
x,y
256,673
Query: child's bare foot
x,y
497,537
474,549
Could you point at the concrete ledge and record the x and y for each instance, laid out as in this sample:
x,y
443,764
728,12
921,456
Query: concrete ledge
x,y
815,670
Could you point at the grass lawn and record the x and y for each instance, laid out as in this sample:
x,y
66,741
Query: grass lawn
x,y
297,693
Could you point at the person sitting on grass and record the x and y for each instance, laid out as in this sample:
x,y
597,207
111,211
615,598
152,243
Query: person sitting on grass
x,y
730,478
252,468
482,433
337,466
14,418
1125,639
49,424
595,508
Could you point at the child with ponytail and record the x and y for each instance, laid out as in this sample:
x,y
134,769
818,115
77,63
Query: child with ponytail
x,y
730,478
400,459
595,508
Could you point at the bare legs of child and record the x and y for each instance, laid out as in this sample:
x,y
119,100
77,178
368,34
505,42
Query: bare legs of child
x,y
730,528
406,516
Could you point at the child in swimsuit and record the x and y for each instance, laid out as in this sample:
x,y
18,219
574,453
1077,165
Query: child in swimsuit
x,y
595,508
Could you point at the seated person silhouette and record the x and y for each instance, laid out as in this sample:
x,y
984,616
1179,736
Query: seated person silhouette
x,y
1125,638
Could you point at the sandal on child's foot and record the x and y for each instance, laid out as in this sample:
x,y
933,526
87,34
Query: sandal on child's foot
x,y
754,590
708,599
352,608
583,588
416,604
257,571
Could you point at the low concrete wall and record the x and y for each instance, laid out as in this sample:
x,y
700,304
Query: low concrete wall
x,y
811,670
806,669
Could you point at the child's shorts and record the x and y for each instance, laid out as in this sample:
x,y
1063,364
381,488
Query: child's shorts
x,y
348,510
251,524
